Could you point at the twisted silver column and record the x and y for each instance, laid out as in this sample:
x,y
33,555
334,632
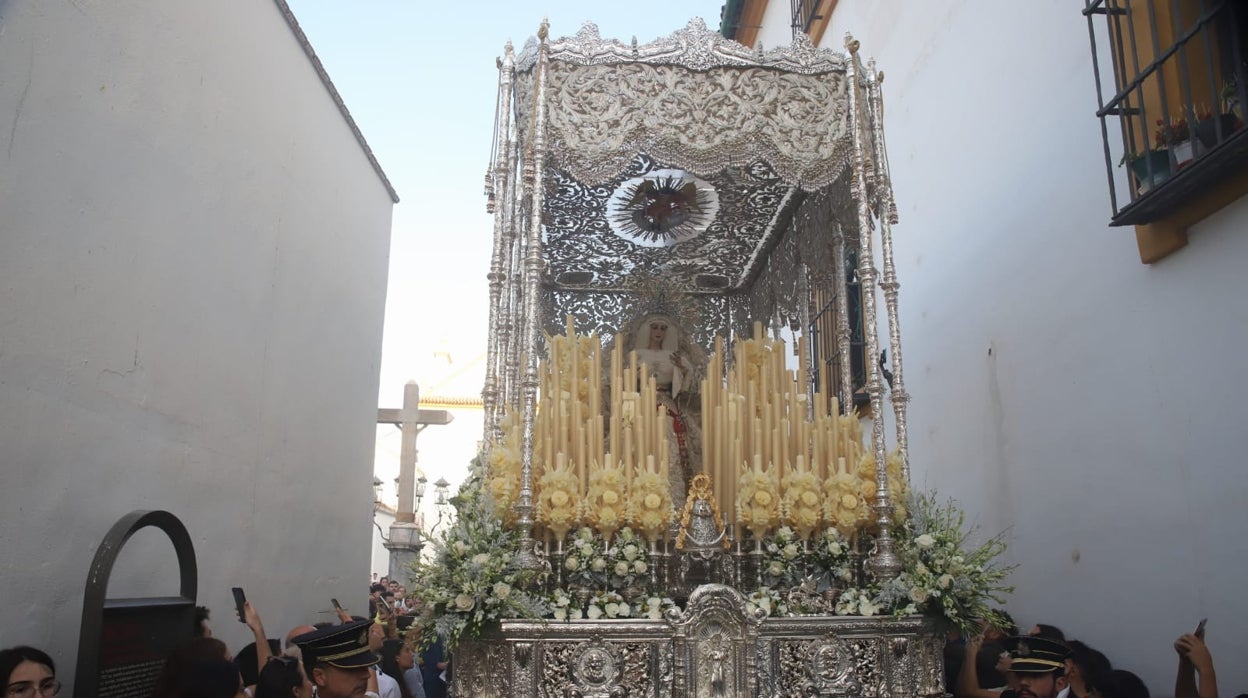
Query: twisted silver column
x,y
884,561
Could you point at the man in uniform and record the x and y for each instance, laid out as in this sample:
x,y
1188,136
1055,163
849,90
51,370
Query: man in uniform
x,y
1040,665
337,659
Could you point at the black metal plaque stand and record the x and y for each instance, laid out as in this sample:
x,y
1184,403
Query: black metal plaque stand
x,y
123,642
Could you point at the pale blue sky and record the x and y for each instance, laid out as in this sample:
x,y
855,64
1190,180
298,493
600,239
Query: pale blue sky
x,y
420,79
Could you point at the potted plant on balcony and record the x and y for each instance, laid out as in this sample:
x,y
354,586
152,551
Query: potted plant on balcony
x,y
1150,168
1211,126
1177,137
1223,124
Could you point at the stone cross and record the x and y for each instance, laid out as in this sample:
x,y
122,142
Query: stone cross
x,y
404,544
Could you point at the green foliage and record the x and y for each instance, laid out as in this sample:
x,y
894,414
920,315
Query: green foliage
x,y
942,574
470,582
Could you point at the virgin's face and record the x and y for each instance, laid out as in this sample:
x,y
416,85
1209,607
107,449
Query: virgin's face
x,y
658,330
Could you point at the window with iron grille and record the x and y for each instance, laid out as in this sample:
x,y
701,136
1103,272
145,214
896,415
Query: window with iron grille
x,y
1175,100
826,355
804,14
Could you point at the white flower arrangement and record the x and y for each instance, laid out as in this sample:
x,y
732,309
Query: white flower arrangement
x,y
608,604
767,602
783,559
941,574
628,560
470,583
585,559
832,560
857,602
656,607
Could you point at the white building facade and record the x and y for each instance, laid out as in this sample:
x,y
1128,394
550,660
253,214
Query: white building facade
x,y
193,250
1063,391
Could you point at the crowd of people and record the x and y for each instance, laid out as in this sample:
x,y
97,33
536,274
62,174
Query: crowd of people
x,y
1044,663
378,656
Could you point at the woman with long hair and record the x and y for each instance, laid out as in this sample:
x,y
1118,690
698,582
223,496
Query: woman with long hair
x,y
396,658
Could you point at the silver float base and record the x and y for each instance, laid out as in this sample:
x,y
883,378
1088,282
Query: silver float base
x,y
714,648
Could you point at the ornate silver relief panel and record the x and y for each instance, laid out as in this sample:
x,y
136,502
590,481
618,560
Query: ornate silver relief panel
x,y
714,648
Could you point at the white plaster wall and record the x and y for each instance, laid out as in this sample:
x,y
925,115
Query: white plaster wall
x,y
193,257
777,25
380,562
1103,431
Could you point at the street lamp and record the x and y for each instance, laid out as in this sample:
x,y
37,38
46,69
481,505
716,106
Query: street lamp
x,y
442,503
421,482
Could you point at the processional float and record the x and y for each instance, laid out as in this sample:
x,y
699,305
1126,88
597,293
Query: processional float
x,y
721,189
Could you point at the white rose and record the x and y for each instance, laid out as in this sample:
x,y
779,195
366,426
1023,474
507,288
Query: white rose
x,y
481,559
790,551
598,564
572,564
630,552
625,611
946,580
776,568
464,602
612,610
918,595
866,608
594,613
621,568
460,547
501,590
576,614
925,541
640,567
653,612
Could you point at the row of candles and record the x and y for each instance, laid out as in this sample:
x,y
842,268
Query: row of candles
x,y
757,416
570,423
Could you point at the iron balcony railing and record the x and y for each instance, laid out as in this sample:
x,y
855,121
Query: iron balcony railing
x,y
1178,83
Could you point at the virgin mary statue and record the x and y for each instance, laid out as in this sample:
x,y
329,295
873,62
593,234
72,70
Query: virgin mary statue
x,y
678,366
